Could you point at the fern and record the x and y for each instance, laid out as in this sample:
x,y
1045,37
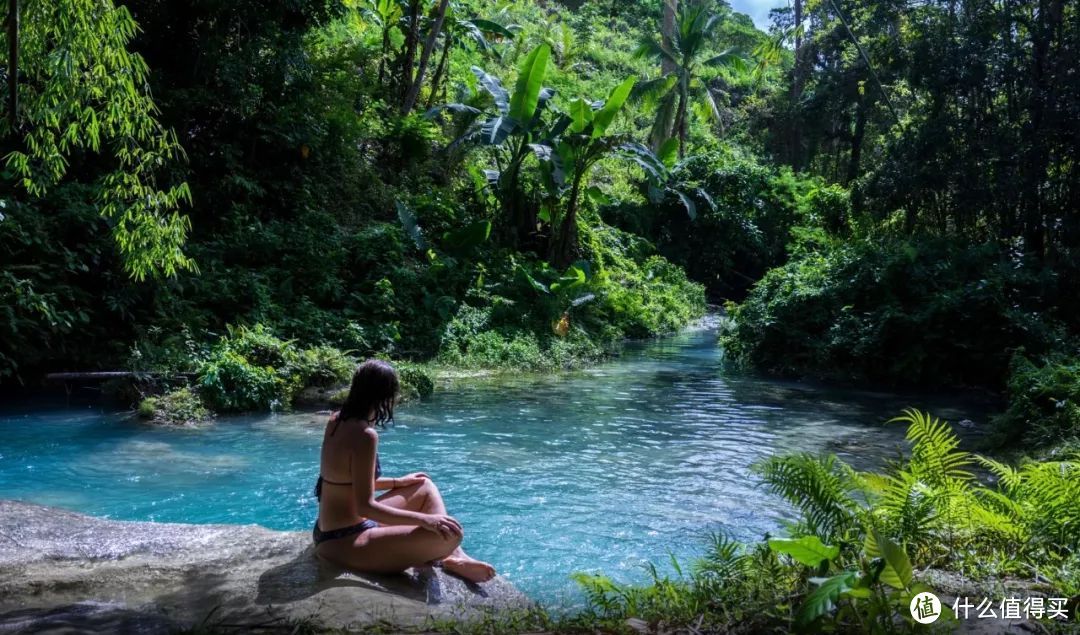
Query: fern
x,y
907,508
935,457
723,561
821,488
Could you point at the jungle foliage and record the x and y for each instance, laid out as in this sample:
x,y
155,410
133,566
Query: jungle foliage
x,y
253,195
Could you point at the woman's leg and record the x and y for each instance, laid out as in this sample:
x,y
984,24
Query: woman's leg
x,y
426,498
389,549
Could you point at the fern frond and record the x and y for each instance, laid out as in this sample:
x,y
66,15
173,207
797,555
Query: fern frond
x,y
820,487
1008,477
909,508
935,456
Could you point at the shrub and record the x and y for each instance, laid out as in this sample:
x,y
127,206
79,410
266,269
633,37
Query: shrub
x,y
638,293
926,312
416,381
260,347
252,369
1044,402
471,341
747,217
324,366
179,407
231,383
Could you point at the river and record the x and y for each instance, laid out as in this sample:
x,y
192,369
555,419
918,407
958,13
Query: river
x,y
600,470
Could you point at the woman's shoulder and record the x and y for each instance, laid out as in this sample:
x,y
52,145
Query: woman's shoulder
x,y
362,433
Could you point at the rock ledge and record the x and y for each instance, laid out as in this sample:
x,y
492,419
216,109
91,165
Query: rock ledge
x,y
66,572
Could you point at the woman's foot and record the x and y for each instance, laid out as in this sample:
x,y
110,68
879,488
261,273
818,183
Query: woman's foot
x,y
469,568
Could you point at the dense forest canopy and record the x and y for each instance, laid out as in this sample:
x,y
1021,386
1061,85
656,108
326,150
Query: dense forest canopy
x,y
889,189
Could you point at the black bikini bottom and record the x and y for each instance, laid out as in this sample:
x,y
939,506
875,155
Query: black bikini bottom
x,y
343,532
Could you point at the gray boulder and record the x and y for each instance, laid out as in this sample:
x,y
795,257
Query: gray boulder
x,y
66,572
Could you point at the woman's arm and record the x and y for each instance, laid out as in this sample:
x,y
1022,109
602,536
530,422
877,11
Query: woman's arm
x,y
363,474
384,483
365,485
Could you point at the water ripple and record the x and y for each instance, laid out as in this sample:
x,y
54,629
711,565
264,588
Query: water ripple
x,y
600,470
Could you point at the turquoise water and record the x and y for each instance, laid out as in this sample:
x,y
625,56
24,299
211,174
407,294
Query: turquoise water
x,y
601,470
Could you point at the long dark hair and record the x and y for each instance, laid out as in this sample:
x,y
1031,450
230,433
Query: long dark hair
x,y
373,393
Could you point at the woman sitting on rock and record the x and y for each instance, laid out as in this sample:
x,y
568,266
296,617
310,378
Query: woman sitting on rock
x,y
407,525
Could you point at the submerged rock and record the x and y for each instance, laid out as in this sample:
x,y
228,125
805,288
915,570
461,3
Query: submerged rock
x,y
66,572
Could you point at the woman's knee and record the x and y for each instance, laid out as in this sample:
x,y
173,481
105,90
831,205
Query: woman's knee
x,y
449,545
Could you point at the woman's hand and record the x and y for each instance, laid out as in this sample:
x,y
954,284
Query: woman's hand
x,y
416,478
446,526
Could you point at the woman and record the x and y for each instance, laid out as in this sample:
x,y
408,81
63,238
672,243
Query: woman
x,y
405,526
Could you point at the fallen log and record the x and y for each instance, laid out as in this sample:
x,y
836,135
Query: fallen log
x,y
109,374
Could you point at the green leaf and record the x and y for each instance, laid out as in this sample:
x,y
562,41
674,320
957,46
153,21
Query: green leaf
x,y
861,593
644,157
688,203
612,106
581,115
487,26
669,152
823,600
596,195
808,550
572,278
494,131
897,571
408,222
530,79
494,87
533,282
468,237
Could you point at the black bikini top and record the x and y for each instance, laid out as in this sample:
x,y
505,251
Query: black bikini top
x,y
319,483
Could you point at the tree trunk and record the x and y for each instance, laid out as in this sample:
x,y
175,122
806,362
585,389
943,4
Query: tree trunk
x,y
13,65
857,141
680,114
565,245
413,95
667,32
798,81
444,59
412,39
385,49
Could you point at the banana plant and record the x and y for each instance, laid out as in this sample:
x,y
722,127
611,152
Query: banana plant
x,y
574,144
662,171
386,14
473,32
510,127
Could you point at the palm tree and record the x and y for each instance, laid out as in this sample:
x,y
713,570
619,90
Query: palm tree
x,y
674,89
